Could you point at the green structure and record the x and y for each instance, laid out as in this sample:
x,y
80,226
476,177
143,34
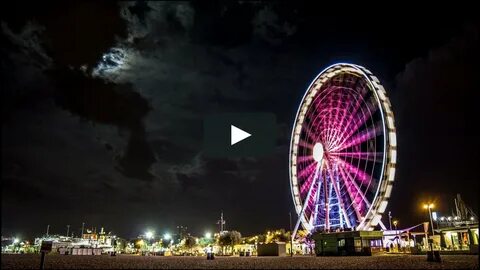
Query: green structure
x,y
348,243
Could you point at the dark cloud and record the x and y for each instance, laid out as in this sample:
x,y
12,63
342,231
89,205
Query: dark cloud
x,y
268,27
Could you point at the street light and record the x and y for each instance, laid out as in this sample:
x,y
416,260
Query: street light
x,y
208,235
395,222
390,219
149,235
167,236
430,206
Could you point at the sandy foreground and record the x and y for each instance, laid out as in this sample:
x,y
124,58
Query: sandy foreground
x,y
32,261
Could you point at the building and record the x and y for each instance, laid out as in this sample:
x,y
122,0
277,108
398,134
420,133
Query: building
x,y
92,242
348,243
460,238
458,231
272,249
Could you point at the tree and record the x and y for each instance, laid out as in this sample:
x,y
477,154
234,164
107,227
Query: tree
x,y
277,236
236,238
190,242
229,239
203,242
224,240
139,244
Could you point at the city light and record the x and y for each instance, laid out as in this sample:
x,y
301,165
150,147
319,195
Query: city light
x,y
167,236
428,206
149,235
16,240
472,218
208,235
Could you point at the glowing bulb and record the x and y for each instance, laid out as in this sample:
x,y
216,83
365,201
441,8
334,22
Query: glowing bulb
x,y
208,235
167,236
318,152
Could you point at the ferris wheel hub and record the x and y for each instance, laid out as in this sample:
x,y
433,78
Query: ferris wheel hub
x,y
318,152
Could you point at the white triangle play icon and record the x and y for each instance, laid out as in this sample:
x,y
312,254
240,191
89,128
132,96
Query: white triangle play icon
x,y
237,135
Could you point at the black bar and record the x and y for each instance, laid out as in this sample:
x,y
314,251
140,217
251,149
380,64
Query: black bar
x,y
42,261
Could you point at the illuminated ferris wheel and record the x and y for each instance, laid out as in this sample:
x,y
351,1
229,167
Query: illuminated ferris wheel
x,y
342,151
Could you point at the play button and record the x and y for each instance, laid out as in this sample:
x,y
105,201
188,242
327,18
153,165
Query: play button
x,y
237,135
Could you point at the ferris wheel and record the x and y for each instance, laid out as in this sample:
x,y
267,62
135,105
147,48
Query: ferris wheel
x,y
343,151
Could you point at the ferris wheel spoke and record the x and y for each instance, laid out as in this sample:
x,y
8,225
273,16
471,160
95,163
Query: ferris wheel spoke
x,y
318,202
336,122
327,204
335,142
333,115
364,177
307,183
335,184
359,191
302,159
361,137
368,156
305,144
314,213
319,129
308,169
316,131
358,121
352,193
357,103
320,124
307,199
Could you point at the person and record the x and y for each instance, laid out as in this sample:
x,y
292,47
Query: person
x,y
209,251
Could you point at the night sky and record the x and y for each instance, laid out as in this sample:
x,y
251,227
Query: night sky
x,y
103,103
